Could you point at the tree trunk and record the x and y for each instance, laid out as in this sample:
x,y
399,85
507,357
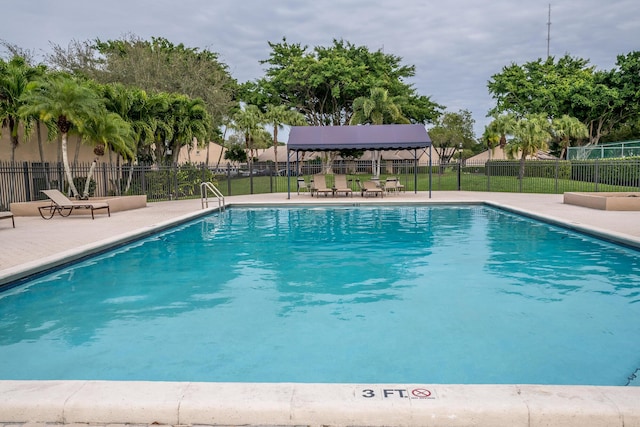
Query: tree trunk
x,y
85,193
129,179
220,158
275,145
59,147
67,167
13,132
522,161
377,155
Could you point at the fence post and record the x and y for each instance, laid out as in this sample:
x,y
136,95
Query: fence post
x,y
459,173
176,187
27,187
143,180
596,178
520,179
105,180
228,179
557,172
251,177
487,170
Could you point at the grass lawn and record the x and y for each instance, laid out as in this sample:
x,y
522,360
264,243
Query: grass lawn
x,y
447,181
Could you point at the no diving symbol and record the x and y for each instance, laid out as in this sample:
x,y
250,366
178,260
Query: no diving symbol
x,y
420,393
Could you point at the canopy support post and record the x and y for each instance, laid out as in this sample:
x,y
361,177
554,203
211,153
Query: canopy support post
x,y
288,177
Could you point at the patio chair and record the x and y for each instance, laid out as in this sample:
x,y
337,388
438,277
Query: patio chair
x,y
399,187
320,185
302,185
62,205
391,186
340,185
7,215
369,188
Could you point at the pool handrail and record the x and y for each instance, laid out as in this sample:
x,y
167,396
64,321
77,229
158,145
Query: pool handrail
x,y
205,187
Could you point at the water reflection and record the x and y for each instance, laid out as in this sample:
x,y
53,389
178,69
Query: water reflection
x,y
562,263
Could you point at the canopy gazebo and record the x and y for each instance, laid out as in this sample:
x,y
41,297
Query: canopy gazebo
x,y
362,137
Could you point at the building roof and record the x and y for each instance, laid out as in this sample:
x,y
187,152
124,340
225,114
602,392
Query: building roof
x,y
498,153
363,137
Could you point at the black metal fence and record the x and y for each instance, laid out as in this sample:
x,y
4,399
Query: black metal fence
x,y
22,181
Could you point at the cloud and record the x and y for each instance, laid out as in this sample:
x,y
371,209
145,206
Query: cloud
x,y
456,45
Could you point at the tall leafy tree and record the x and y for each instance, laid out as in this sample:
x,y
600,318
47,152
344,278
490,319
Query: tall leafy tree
x,y
157,65
569,86
68,103
15,75
322,83
452,132
617,96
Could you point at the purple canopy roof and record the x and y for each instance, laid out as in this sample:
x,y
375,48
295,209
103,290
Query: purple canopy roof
x,y
362,137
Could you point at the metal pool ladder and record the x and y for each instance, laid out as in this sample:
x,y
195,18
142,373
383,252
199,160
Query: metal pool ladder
x,y
207,187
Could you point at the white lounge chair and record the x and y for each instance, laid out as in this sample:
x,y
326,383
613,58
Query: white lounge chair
x,y
62,205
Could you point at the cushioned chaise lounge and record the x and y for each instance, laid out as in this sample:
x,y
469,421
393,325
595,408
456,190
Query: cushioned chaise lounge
x,y
340,185
369,188
62,205
320,185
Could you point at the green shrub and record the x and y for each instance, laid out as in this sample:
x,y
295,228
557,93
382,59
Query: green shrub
x,y
560,169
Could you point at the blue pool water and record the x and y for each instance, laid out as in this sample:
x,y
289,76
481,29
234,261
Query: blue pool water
x,y
437,294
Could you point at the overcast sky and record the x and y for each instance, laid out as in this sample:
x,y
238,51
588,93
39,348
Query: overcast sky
x,y
456,45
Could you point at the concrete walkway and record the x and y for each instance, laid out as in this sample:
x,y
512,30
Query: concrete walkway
x,y
35,243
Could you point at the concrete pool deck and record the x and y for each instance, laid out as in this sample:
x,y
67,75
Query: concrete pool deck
x,y
35,243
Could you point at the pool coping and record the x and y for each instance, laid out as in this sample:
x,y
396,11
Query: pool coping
x,y
181,403
295,404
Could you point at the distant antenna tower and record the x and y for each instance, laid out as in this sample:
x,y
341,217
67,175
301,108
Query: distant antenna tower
x,y
549,30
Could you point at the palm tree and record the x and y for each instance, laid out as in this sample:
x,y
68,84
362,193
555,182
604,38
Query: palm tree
x,y
190,121
146,118
108,130
142,112
530,134
491,139
567,127
278,116
502,126
15,75
249,123
67,102
377,109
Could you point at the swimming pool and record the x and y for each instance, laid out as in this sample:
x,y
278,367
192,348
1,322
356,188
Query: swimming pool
x,y
411,294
